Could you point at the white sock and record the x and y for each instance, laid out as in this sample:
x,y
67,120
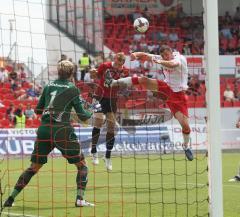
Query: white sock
x,y
127,81
186,139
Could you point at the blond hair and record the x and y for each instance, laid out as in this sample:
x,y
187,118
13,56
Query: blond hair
x,y
65,69
120,57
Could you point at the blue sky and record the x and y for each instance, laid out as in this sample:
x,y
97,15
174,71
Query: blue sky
x,y
27,30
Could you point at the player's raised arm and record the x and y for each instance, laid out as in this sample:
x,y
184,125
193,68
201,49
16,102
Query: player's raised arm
x,y
82,114
141,56
167,63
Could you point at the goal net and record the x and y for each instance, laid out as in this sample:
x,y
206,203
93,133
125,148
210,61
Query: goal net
x,y
150,174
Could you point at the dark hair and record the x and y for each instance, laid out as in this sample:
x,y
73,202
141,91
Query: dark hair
x,y
165,47
65,69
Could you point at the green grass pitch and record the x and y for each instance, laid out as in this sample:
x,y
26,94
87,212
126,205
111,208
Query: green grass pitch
x,y
138,186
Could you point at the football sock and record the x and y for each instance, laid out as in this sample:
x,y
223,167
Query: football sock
x,y
110,139
95,137
22,181
186,138
81,181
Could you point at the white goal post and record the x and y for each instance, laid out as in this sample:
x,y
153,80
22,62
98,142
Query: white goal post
x,y
213,104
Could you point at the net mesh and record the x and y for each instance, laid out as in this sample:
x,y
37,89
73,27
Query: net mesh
x,y
150,176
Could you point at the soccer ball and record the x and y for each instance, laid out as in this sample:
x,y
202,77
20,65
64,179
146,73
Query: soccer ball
x,y
141,24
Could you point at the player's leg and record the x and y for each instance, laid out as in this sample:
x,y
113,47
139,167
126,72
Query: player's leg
x,y
184,122
43,146
81,181
39,155
66,141
150,84
177,102
97,124
110,138
22,182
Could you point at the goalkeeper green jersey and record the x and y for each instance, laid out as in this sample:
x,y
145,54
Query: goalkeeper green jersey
x,y
56,103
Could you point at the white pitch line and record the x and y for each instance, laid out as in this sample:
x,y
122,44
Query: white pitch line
x,y
17,214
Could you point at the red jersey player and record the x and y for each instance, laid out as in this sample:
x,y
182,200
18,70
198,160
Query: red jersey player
x,y
108,102
173,87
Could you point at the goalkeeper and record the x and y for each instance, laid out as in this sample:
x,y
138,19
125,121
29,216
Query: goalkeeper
x,y
55,105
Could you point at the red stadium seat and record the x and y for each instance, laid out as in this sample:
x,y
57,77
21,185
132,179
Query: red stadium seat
x,y
35,123
6,102
7,85
236,104
2,116
5,123
227,104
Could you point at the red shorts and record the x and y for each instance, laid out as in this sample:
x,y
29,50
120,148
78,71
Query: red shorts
x,y
176,101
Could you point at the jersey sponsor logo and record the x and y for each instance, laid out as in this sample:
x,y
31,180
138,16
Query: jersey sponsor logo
x,y
57,85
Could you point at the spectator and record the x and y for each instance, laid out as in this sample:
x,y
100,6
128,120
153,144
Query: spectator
x,y
133,47
87,78
172,16
196,48
12,76
99,59
227,18
1,104
194,86
14,85
84,63
236,91
151,47
138,37
185,23
180,13
238,47
3,75
30,93
236,16
226,31
173,36
22,74
19,118
10,112
29,112
18,91
137,13
228,94
186,49
75,69
231,49
110,57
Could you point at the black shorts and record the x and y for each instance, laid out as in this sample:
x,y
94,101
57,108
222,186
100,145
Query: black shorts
x,y
108,105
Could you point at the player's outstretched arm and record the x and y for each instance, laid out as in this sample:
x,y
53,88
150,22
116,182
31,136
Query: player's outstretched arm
x,y
82,114
142,56
165,63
